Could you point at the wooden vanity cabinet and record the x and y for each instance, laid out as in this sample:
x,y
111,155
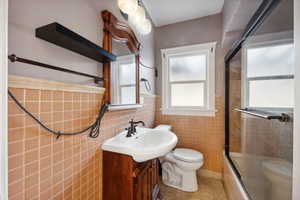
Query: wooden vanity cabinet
x,y
125,179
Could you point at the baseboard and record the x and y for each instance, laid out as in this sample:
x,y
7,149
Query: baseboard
x,y
210,174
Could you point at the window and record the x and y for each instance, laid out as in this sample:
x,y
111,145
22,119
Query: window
x,y
269,71
188,80
124,80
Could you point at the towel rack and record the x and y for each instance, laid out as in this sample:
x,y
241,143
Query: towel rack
x,y
265,115
14,58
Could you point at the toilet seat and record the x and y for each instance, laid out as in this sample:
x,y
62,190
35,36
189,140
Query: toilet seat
x,y
187,155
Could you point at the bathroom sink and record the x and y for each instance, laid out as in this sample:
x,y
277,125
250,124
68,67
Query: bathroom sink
x,y
145,145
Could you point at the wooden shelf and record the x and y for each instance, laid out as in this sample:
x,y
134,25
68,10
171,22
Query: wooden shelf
x,y
57,34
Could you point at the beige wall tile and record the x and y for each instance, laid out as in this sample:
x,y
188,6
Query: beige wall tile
x,y
41,166
205,134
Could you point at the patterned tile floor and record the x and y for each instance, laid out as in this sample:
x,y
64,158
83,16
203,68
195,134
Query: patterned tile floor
x,y
209,189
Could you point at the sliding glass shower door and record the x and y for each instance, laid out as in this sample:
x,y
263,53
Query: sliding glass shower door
x,y
261,101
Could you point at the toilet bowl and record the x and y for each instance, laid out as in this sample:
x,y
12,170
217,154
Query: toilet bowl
x,y
179,167
279,174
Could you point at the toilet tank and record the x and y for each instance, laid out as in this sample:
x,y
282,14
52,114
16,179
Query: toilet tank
x,y
163,127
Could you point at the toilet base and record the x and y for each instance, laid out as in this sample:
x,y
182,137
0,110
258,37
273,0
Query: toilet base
x,y
188,185
185,181
181,174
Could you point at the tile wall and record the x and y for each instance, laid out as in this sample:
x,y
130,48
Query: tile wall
x,y
205,134
43,167
267,138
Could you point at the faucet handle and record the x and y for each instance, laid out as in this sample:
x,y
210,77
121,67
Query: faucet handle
x,y
134,129
129,131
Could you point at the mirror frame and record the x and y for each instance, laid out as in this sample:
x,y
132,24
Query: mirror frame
x,y
120,32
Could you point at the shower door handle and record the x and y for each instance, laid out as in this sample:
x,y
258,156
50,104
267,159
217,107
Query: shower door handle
x,y
283,117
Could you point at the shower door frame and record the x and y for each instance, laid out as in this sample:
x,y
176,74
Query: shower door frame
x,y
264,10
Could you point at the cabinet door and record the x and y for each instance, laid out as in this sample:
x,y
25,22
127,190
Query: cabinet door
x,y
142,187
146,182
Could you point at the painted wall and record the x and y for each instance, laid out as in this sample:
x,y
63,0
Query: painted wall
x,y
296,168
81,16
3,99
237,13
203,30
205,134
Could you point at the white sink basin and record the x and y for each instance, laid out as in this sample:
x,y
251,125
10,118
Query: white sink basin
x,y
145,145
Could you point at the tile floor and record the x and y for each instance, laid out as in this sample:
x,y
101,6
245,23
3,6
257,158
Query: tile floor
x,y
209,189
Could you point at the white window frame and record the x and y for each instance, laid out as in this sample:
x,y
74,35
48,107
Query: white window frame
x,y
209,108
266,40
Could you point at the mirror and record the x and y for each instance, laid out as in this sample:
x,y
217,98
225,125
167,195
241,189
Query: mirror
x,y
121,77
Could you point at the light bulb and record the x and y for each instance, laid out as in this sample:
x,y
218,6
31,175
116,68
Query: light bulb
x,y
139,14
128,6
145,27
133,20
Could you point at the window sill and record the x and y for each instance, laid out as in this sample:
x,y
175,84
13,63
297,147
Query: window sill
x,y
189,112
124,107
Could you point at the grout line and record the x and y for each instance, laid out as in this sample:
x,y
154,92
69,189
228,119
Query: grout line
x,y
85,162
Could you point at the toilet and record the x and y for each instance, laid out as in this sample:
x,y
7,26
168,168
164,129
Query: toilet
x,y
279,174
179,167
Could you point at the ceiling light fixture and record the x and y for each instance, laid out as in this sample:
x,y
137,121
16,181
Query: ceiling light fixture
x,y
128,6
136,15
145,27
139,14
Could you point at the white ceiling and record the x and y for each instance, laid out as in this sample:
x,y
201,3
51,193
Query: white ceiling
x,y
165,12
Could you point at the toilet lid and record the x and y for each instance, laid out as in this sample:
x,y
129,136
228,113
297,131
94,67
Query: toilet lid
x,y
187,155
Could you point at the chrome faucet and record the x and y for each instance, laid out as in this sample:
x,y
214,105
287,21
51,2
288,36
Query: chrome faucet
x,y
131,130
